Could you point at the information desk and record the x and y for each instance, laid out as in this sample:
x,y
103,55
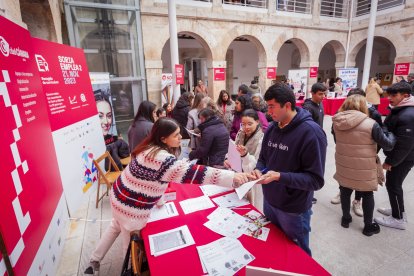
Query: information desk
x,y
277,252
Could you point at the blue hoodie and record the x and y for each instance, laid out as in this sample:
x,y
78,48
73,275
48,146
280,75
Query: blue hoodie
x,y
298,152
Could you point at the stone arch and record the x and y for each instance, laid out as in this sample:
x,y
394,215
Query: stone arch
x,y
300,44
262,53
37,14
358,46
338,49
203,42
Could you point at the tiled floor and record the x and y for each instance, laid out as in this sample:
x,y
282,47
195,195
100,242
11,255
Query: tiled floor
x,y
341,251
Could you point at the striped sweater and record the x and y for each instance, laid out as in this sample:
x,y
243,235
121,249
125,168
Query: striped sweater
x,y
145,180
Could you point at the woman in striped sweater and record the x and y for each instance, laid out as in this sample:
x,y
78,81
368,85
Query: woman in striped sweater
x,y
144,181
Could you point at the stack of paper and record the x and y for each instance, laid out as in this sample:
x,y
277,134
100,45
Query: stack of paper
x,y
170,240
225,256
167,210
211,190
227,223
230,201
196,204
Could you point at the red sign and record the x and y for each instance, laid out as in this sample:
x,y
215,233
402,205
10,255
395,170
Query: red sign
x,y
219,74
401,69
31,185
179,74
271,73
313,72
66,83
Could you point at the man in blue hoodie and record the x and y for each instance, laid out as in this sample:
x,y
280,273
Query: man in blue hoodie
x,y
291,165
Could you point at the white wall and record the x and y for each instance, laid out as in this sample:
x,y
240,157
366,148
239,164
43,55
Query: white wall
x,y
245,63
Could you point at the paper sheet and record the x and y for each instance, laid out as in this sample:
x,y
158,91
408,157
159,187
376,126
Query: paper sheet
x,y
193,133
233,156
211,190
170,240
167,210
196,204
243,189
230,200
225,256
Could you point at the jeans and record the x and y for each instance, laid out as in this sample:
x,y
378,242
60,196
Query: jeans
x,y
295,225
394,181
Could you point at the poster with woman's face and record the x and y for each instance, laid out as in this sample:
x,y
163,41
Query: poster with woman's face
x,y
102,92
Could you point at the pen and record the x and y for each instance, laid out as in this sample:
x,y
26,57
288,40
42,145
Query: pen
x,y
265,170
240,208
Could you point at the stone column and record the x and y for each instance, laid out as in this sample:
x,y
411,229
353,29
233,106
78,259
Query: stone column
x,y
272,6
311,81
153,70
316,11
264,82
214,87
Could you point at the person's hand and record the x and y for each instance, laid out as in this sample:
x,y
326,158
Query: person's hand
x,y
270,176
227,164
241,178
242,150
256,173
386,167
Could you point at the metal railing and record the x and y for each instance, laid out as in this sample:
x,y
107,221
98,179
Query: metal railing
x,y
298,6
248,3
334,8
364,6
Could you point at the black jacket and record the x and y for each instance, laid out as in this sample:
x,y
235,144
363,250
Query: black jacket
x,y
401,122
316,110
214,143
180,114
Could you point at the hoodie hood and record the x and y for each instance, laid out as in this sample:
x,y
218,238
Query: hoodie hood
x,y
301,116
348,119
209,122
406,102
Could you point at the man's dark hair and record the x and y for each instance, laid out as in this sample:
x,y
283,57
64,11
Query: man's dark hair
x,y
245,101
316,87
244,89
206,113
282,94
337,79
356,91
400,87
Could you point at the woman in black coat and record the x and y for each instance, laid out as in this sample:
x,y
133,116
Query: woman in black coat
x,y
214,140
180,112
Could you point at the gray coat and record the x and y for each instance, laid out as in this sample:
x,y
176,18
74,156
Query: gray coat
x,y
137,133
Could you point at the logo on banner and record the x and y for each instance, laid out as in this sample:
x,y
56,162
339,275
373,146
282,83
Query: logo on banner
x,y
73,100
42,65
4,47
83,97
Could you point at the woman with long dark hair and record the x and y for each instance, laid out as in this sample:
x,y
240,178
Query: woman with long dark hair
x,y
142,124
180,112
226,108
244,102
141,185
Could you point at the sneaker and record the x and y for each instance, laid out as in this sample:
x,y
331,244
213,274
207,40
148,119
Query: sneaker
x,y
345,222
314,200
371,229
336,199
93,268
385,211
391,222
357,207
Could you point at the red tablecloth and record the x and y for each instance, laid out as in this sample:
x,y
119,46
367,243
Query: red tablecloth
x,y
277,252
383,107
331,106
299,103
